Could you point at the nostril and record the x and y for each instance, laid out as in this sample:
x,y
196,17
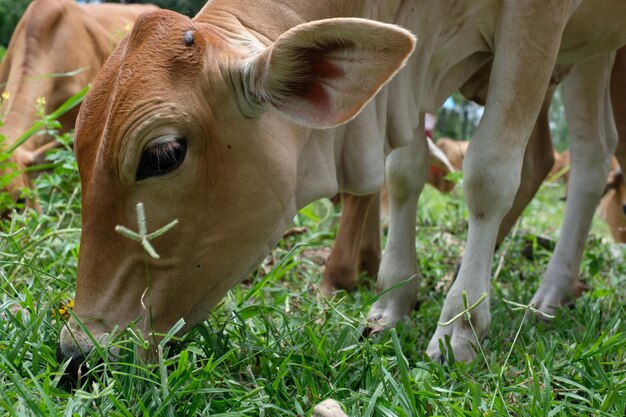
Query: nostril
x,y
74,370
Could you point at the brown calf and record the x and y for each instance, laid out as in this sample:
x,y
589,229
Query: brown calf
x,y
56,49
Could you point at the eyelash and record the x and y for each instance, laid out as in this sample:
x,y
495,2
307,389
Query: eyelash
x,y
161,158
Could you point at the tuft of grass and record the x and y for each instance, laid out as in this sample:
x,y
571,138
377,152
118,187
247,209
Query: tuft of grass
x,y
276,347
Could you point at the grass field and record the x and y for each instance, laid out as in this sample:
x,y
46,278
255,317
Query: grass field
x,y
276,347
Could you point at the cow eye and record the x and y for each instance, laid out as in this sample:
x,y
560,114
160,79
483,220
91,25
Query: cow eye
x,y
161,156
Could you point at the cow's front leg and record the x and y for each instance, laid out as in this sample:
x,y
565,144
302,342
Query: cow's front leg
x,y
592,139
407,169
491,178
538,160
526,47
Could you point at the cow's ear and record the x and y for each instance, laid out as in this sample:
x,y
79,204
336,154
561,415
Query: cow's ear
x,y
322,73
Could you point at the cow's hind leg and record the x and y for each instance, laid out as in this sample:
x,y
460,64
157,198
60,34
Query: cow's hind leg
x,y
407,169
593,138
369,251
526,48
355,246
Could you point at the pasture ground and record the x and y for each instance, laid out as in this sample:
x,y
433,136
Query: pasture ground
x,y
275,347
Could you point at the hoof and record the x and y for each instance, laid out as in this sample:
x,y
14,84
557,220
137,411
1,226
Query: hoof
x,y
339,275
384,316
458,346
333,282
456,337
372,329
550,298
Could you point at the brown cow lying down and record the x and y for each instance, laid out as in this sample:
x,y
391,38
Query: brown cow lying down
x,y
52,38
242,107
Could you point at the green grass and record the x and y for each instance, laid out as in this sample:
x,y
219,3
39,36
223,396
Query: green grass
x,y
276,347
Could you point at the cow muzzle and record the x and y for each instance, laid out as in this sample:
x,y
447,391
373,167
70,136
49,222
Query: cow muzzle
x,y
75,345
76,367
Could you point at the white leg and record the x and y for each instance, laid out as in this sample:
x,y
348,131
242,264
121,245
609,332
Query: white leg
x,y
526,48
593,138
407,169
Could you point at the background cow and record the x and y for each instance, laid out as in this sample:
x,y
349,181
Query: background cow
x,y
56,50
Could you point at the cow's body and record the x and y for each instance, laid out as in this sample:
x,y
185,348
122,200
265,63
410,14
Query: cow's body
x,y
249,139
56,50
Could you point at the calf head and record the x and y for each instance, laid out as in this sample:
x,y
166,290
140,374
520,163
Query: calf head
x,y
205,126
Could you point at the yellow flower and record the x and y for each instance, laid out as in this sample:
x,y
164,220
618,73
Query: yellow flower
x,y
41,101
6,95
64,309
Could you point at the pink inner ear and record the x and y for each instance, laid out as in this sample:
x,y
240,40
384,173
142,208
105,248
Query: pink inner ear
x,y
325,69
315,90
316,94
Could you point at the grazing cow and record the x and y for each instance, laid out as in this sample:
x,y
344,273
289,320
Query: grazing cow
x,y
230,122
56,49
